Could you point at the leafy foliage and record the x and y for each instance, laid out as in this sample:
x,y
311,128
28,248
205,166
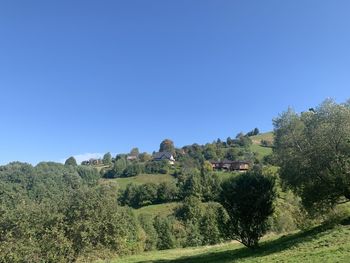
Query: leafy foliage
x,y
313,151
146,194
248,199
205,223
71,161
204,185
107,158
154,167
55,213
167,145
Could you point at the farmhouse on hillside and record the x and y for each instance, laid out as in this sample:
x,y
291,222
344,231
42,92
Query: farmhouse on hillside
x,y
131,157
159,156
92,162
226,165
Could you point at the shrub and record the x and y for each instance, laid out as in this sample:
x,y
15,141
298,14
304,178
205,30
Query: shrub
x,y
166,238
248,199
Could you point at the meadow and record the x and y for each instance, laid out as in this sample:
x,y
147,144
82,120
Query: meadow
x,y
320,244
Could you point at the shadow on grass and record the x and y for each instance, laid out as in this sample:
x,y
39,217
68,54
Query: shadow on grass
x,y
266,248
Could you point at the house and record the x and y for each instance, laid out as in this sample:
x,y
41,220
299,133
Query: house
x,y
131,157
240,166
159,156
92,162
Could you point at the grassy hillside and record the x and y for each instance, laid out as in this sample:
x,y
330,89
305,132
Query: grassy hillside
x,y
260,150
256,146
267,136
161,209
139,179
320,244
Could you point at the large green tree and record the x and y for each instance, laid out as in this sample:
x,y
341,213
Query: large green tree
x,y
135,152
313,152
167,145
248,199
71,161
107,158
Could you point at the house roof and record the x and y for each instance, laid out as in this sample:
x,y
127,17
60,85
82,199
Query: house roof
x,y
163,155
229,162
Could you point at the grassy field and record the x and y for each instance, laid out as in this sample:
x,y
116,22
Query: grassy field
x,y
140,179
320,244
257,148
260,150
267,136
223,175
161,209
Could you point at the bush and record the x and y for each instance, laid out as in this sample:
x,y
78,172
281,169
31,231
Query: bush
x,y
89,175
147,194
133,169
248,199
205,223
166,238
157,167
49,213
167,192
146,222
205,186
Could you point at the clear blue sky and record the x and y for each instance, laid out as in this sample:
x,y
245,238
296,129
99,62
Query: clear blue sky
x,y
81,77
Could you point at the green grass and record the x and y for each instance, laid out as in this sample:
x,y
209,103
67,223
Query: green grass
x,y
99,167
257,148
320,244
267,136
260,150
140,179
161,209
224,175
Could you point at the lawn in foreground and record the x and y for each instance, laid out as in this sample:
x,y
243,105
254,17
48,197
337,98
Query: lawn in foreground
x,y
321,244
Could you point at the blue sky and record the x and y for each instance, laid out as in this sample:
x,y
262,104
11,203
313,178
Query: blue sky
x,y
81,77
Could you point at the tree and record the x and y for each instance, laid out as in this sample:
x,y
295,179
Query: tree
x,y
48,213
147,194
231,154
253,132
205,222
248,199
207,167
71,161
166,239
229,141
90,175
107,158
144,157
204,185
146,222
167,192
244,141
210,152
119,167
256,131
133,169
135,152
167,146
154,167
239,135
313,152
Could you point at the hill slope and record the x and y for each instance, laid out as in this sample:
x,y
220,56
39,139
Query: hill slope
x,y
267,136
256,146
139,179
320,244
